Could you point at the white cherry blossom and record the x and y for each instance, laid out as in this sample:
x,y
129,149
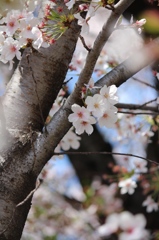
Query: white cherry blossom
x,y
109,118
38,38
95,105
140,165
109,94
26,26
133,226
79,113
82,22
140,22
10,50
12,26
150,204
111,225
70,140
82,126
70,4
127,186
55,108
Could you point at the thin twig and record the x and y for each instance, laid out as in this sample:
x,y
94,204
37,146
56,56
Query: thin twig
x,y
84,43
105,153
22,203
31,193
147,84
153,100
67,81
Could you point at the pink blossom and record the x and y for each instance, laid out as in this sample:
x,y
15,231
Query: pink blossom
x,y
141,22
10,50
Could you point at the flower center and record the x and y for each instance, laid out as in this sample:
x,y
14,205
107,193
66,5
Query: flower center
x,y
13,48
80,114
11,24
96,105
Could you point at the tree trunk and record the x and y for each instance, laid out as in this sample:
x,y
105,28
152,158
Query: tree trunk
x,y
26,104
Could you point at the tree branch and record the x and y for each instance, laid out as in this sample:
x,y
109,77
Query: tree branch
x,y
59,125
137,106
131,66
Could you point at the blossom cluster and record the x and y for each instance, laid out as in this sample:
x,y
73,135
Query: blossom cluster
x,y
130,226
98,108
90,9
19,29
23,28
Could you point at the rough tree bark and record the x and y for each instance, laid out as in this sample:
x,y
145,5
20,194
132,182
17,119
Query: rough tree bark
x,y
24,146
28,99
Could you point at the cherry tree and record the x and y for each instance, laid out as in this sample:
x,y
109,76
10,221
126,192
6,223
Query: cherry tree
x,y
38,122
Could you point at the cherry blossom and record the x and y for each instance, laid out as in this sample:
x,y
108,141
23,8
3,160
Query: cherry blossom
x,y
70,140
70,4
79,113
55,108
26,25
83,7
81,119
111,225
127,186
140,165
90,85
141,22
150,204
133,226
39,41
109,94
108,118
84,125
10,50
95,105
12,26
78,61
18,29
82,22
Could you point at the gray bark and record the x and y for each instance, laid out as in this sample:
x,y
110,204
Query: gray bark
x,y
28,99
